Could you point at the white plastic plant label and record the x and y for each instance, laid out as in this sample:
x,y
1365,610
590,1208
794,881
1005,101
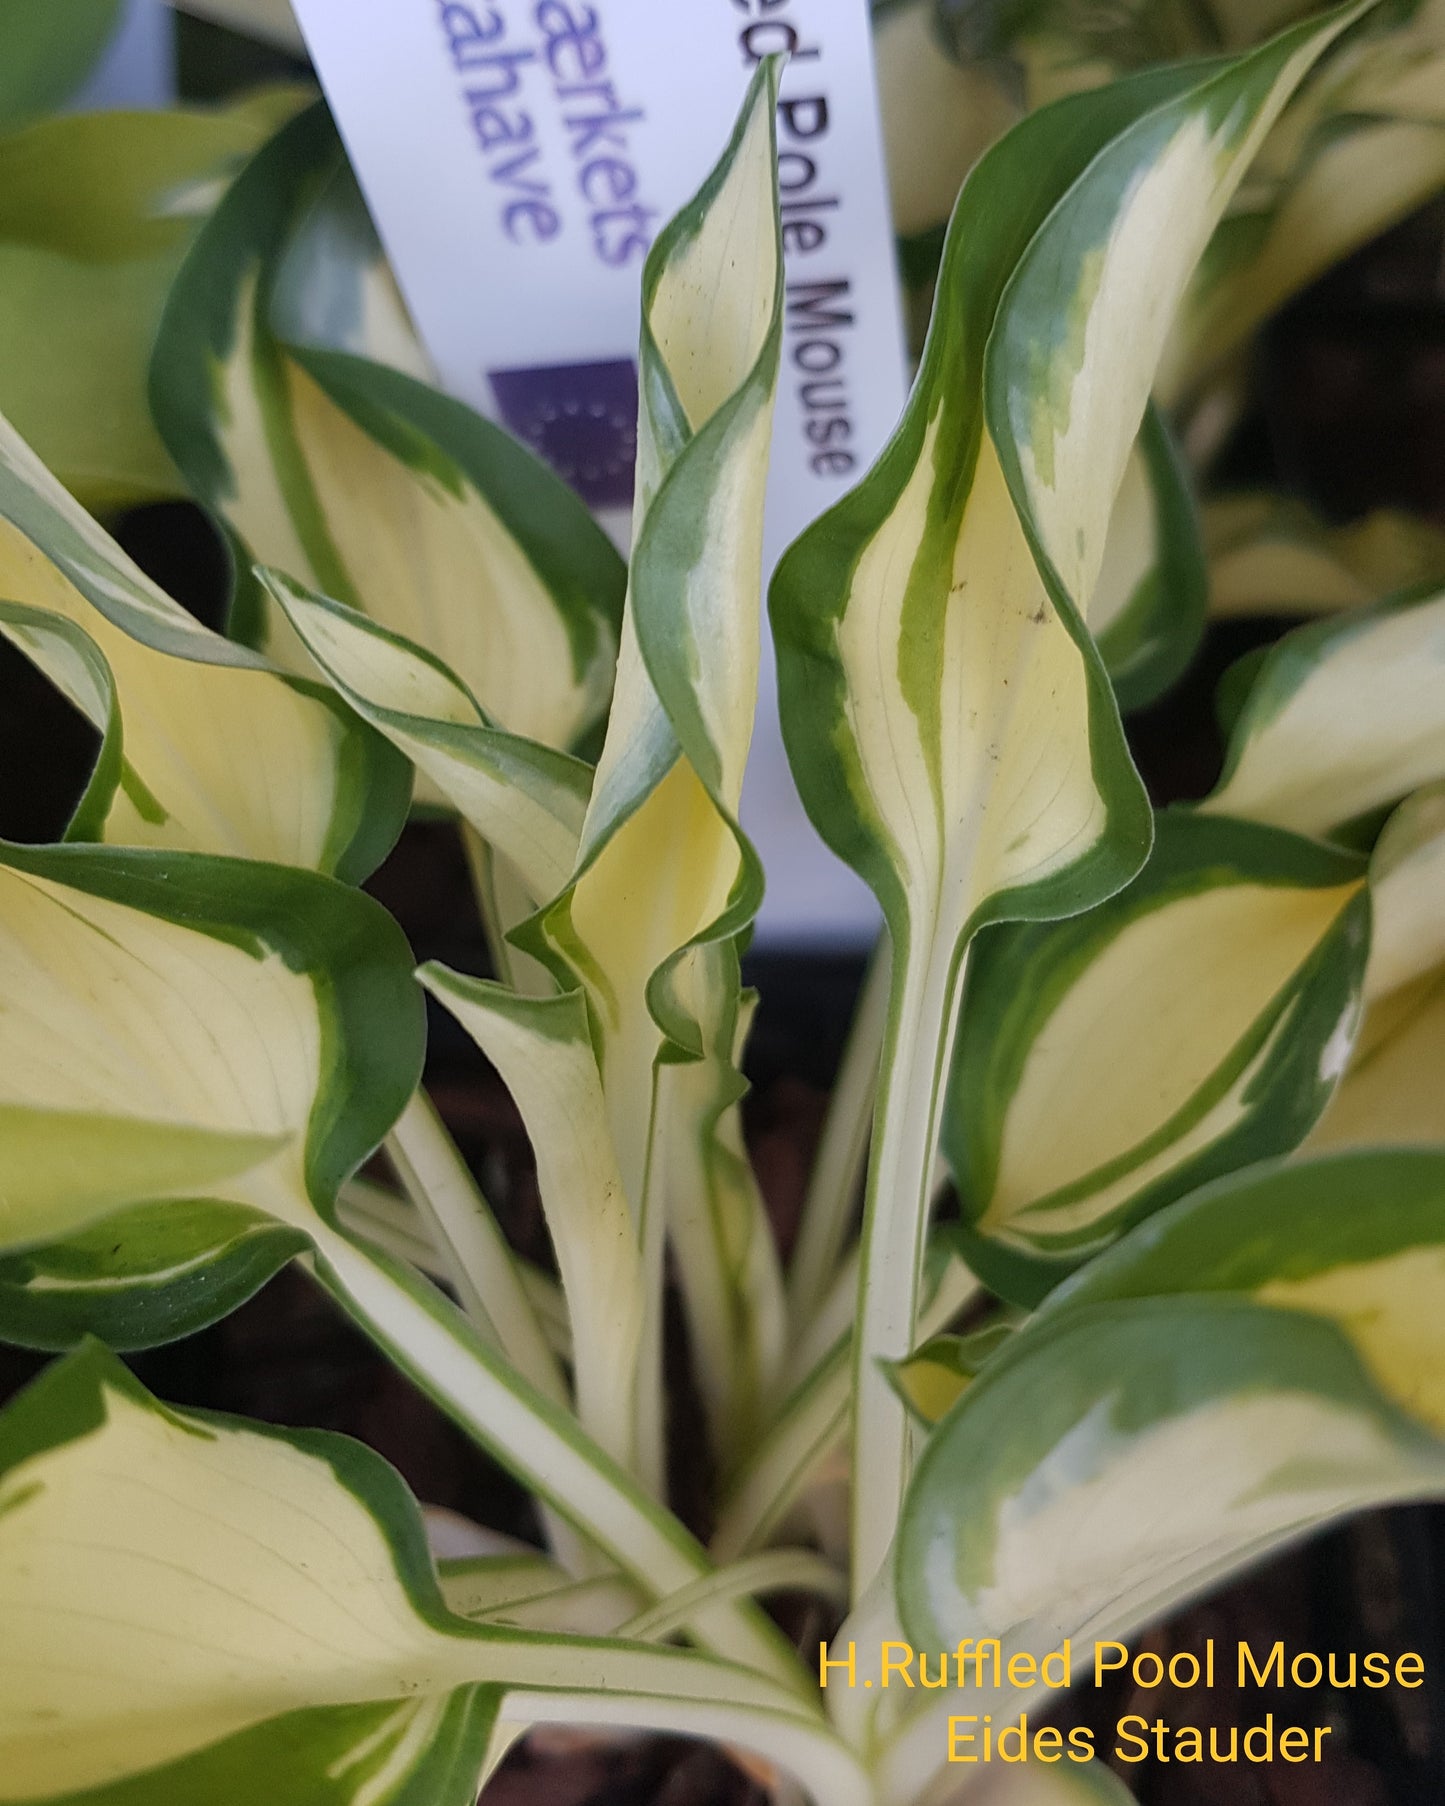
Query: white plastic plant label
x,y
519,156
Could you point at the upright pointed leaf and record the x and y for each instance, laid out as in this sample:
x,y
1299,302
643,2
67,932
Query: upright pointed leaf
x,y
1194,1023
680,725
948,717
221,753
663,981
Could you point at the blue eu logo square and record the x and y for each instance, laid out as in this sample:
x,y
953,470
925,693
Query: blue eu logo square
x,y
582,418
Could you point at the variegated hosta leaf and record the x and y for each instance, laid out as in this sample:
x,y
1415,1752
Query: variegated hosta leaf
x,y
1133,1456
177,1027
938,1372
95,213
233,1037
256,1615
525,800
466,542
1392,1090
542,1049
948,717
205,747
666,884
1149,604
1167,1442
1196,1022
1358,1239
1343,716
933,1378
357,480
1269,554
1255,1361
148,1274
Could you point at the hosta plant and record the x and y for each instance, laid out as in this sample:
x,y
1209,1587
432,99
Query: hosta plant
x,y
1153,1339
